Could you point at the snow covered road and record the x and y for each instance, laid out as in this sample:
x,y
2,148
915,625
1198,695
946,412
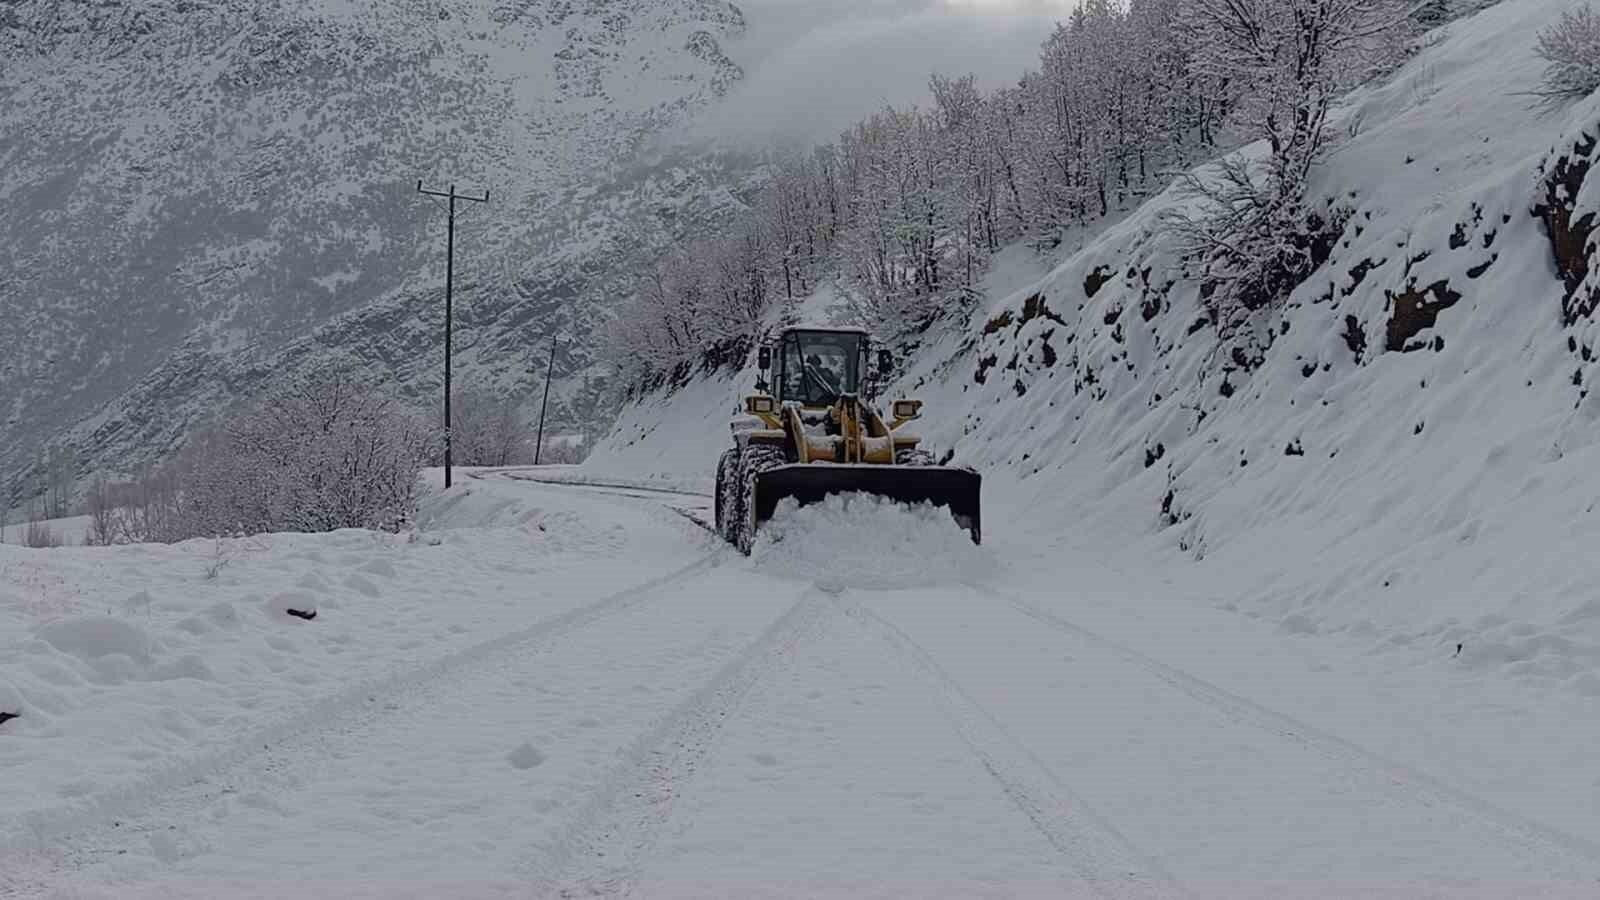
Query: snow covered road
x,y
676,720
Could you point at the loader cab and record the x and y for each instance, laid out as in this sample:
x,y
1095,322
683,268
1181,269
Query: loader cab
x,y
815,367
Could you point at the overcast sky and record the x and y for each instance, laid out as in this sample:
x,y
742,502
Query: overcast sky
x,y
814,66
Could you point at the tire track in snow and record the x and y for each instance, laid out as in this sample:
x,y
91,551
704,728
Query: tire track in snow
x,y
528,474
1106,860
343,710
653,496
1420,787
602,850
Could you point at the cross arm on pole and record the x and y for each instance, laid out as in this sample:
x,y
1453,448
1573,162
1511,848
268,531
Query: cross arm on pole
x,y
451,194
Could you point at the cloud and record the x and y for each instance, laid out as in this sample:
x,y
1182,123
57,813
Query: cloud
x,y
813,67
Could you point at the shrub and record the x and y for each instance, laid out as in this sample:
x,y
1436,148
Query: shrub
x,y
1255,241
37,533
1571,48
323,453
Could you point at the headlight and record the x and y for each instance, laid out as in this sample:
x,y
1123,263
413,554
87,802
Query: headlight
x,y
907,409
760,405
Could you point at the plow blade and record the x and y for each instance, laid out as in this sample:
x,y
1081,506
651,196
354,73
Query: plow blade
x,y
955,489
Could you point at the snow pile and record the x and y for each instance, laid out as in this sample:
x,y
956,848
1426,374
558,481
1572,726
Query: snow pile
x,y
477,503
857,540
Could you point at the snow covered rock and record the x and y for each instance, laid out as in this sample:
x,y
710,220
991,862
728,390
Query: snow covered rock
x,y
292,605
11,705
526,756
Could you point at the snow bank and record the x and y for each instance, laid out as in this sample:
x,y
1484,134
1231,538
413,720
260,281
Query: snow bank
x,y
72,531
672,439
867,542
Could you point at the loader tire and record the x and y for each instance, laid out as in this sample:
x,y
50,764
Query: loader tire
x,y
730,496
756,459
914,457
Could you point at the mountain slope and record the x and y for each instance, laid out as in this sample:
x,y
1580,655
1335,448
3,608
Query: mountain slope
x,y
192,187
1409,460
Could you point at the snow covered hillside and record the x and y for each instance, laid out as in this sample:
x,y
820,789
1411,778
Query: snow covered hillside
x,y
1402,455
1306,611
199,196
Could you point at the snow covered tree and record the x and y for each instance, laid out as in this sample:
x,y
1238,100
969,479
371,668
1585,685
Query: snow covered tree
x,y
1571,49
323,452
489,430
905,209
1282,64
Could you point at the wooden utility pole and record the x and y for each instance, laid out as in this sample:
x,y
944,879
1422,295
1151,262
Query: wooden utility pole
x,y
449,284
538,447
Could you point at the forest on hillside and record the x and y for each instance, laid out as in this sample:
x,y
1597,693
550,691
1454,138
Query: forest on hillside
x,y
905,209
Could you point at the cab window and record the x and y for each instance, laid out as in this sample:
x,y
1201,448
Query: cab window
x,y
819,367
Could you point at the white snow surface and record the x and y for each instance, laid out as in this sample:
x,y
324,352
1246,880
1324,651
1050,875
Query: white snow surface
x,y
1368,671
618,704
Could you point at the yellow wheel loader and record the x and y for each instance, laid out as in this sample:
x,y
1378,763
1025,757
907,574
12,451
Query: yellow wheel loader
x,y
807,434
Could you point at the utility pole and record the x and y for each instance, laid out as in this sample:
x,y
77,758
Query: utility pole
x,y
449,284
538,447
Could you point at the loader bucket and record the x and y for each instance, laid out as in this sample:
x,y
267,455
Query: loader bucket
x,y
955,489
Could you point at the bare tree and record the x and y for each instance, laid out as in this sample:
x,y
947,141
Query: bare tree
x,y
146,508
489,430
323,452
1283,64
38,534
905,209
61,472
102,511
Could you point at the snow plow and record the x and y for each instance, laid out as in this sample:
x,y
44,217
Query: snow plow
x,y
807,434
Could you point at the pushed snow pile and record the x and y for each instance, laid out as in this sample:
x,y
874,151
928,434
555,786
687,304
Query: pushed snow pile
x,y
501,503
857,540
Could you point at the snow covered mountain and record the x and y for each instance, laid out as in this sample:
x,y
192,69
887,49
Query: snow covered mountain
x,y
1406,456
1304,610
198,195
